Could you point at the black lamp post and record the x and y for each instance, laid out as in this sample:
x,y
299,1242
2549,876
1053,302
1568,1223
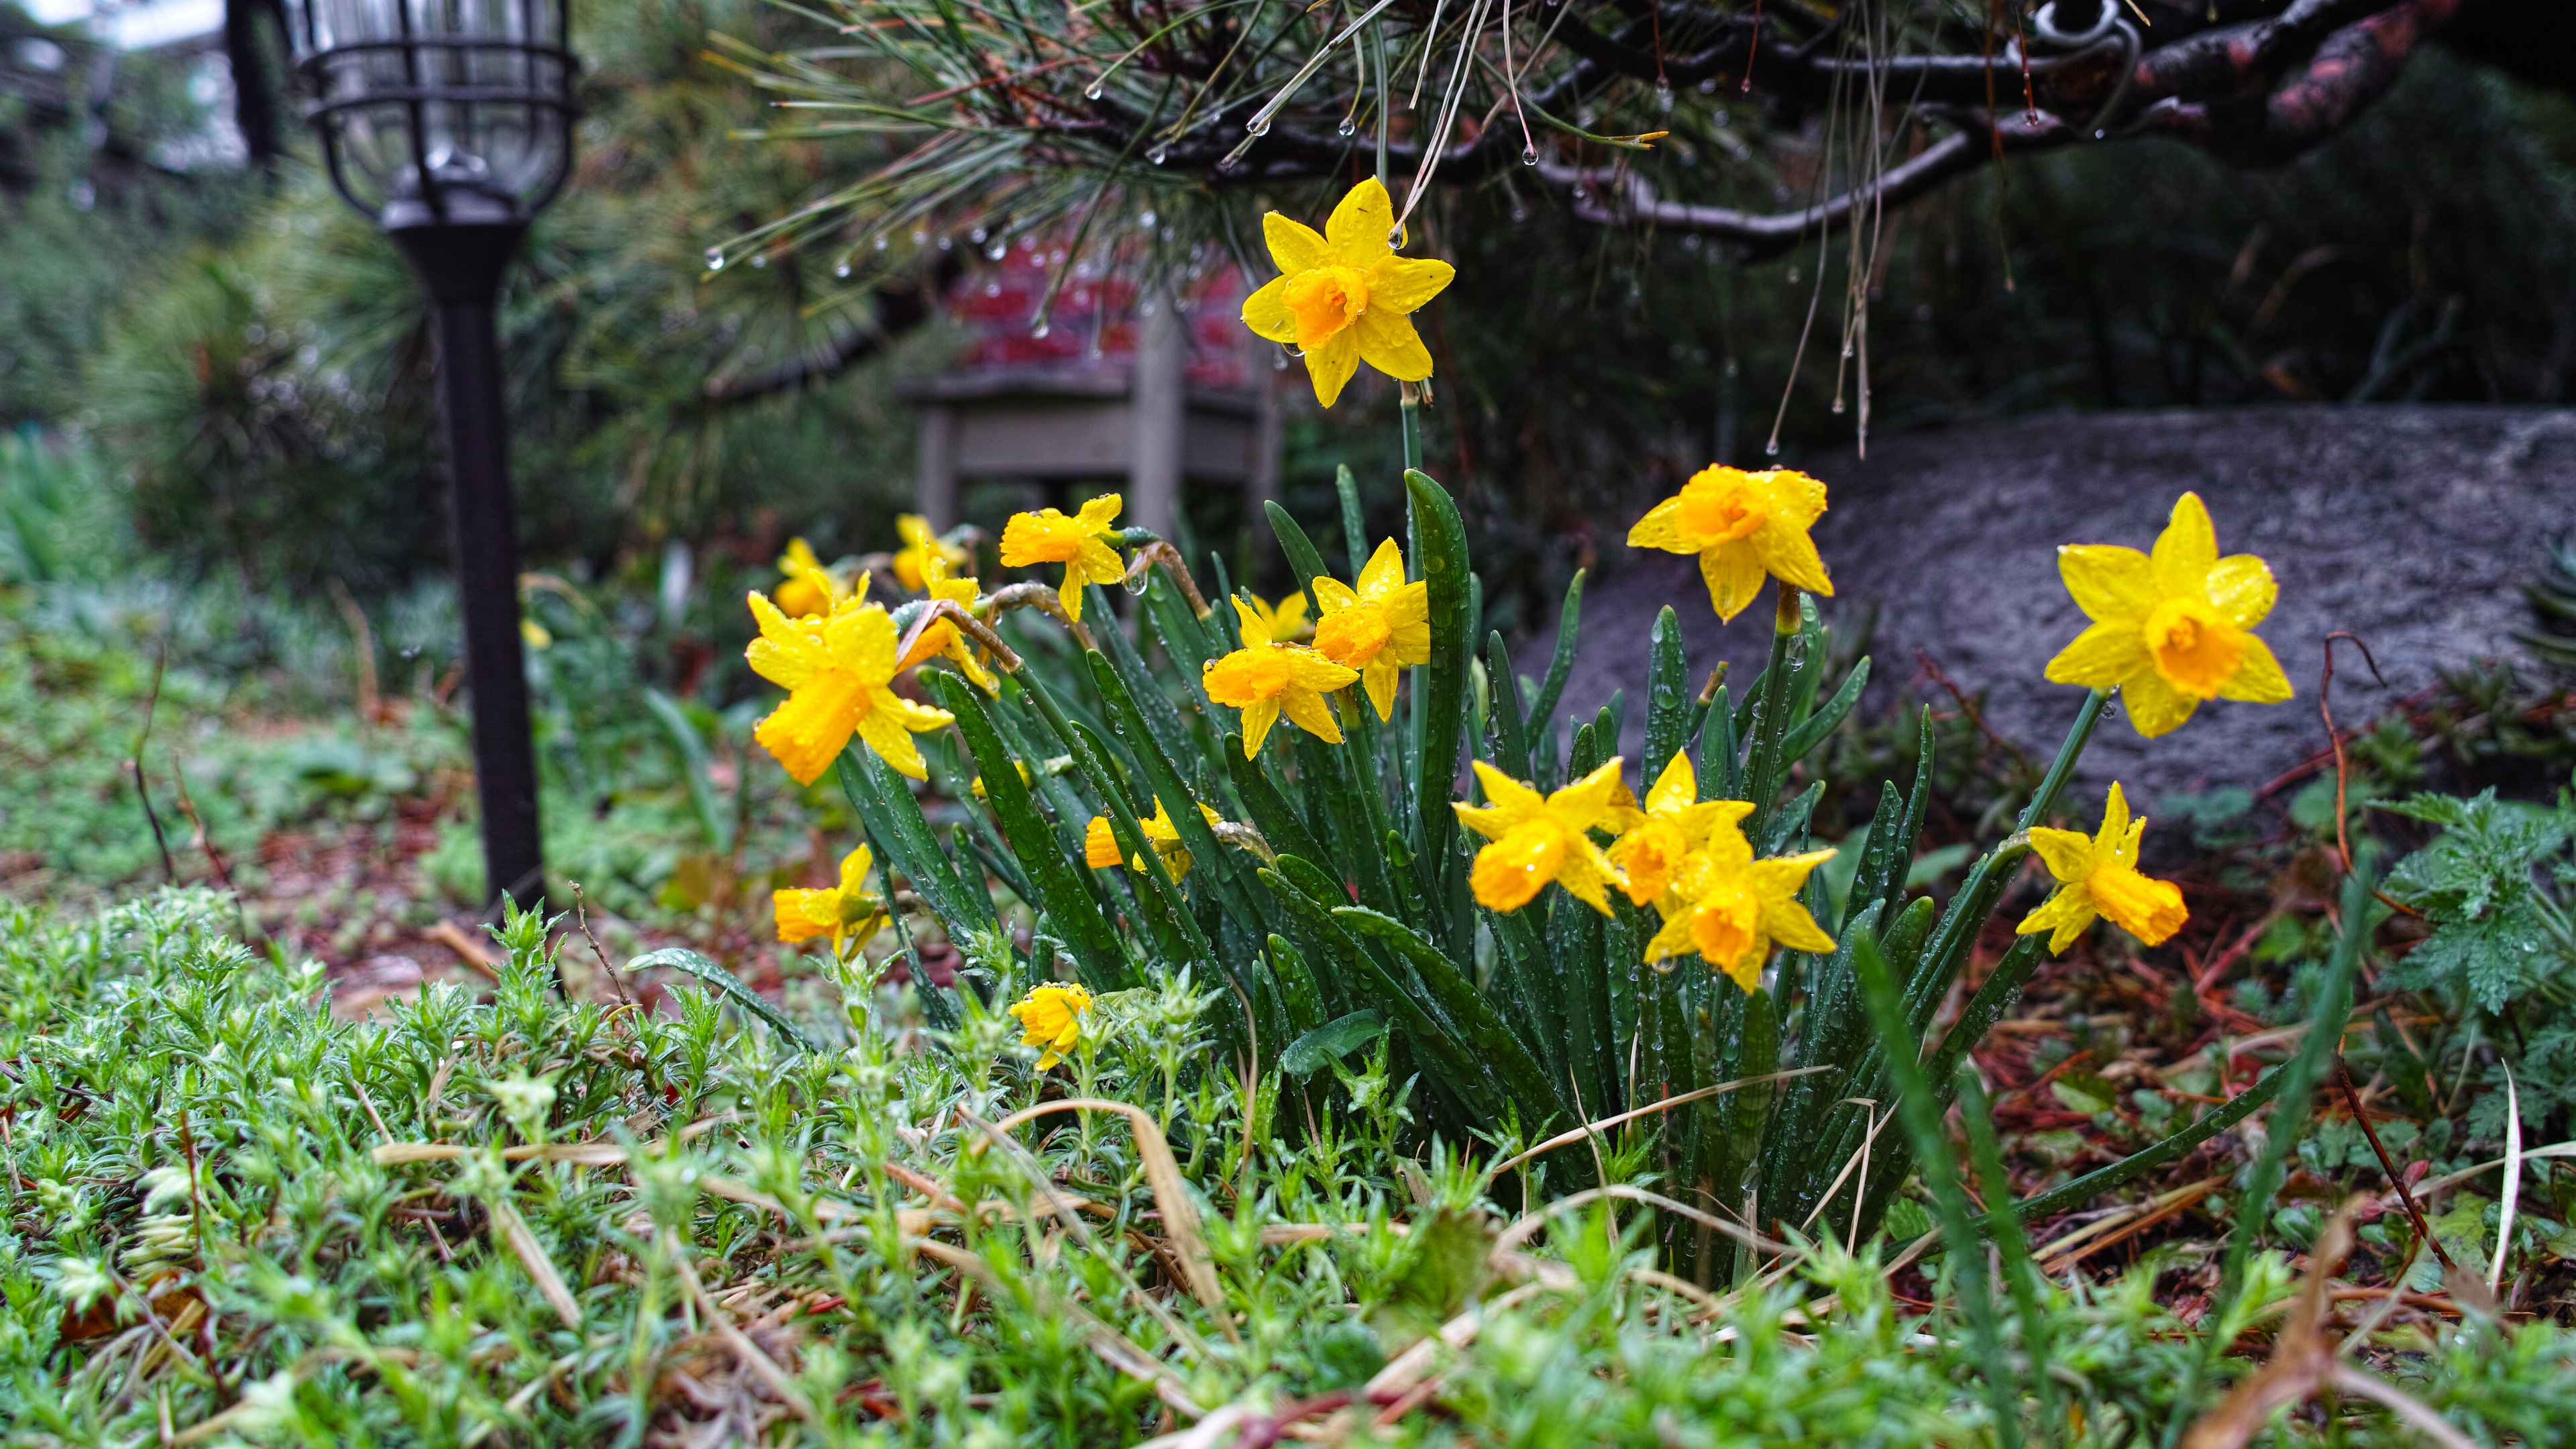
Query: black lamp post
x,y
450,123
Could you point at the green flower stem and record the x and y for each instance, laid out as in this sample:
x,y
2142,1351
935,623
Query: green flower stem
x,y
1411,412
1770,711
2044,799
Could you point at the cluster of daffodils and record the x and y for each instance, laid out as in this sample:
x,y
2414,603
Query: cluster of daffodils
x,y
2170,629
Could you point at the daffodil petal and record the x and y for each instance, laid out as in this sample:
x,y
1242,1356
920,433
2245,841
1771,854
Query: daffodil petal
x,y
1788,923
1388,343
1294,246
884,733
2107,581
1358,226
1733,572
1331,366
2068,854
2242,588
2186,550
2155,707
1402,284
1788,553
2258,678
1307,710
1258,717
2101,657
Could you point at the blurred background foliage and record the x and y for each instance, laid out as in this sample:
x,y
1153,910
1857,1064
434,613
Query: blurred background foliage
x,y
250,363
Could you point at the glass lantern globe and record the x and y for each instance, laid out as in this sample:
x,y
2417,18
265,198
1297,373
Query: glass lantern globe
x,y
439,112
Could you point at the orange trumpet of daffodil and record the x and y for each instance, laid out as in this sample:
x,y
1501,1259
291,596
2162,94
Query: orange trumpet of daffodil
x,y
1343,298
2172,628
845,912
1084,544
1743,526
837,673
2098,876
1381,628
1268,680
1675,823
1541,838
1732,909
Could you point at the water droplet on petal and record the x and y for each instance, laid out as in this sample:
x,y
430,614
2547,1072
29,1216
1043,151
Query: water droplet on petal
x,y
1529,155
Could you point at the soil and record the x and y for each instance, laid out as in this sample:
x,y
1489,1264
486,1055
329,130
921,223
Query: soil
x,y
2414,528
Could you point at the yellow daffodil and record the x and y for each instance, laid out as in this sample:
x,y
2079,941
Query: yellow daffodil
x,y
1051,1017
942,637
920,547
1743,526
1282,624
1342,298
1732,909
1381,628
1541,838
1100,843
2173,628
808,589
1085,544
1268,680
1675,822
846,912
2098,876
837,673
535,635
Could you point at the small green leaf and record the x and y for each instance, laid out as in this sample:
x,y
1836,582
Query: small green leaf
x,y
1331,1042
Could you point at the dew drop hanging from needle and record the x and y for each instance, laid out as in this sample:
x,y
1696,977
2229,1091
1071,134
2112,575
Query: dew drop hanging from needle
x,y
1258,125
1092,92
1348,126
715,259
1158,155
1529,155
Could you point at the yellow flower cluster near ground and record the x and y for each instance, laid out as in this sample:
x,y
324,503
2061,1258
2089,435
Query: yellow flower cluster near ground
x,y
2170,629
1051,1017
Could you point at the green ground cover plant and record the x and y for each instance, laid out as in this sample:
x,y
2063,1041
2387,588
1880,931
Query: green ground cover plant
x,y
233,1219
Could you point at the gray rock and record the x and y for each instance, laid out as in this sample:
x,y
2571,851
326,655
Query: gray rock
x,y
2412,527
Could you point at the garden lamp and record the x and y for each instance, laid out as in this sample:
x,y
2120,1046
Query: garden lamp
x,y
450,123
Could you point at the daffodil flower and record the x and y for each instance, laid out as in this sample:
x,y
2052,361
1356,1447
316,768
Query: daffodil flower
x,y
1650,853
837,673
1282,624
1343,298
1743,526
942,637
2098,876
1381,628
808,589
1082,543
1541,838
921,546
1268,680
1100,843
1732,909
1051,1017
846,912
2173,628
